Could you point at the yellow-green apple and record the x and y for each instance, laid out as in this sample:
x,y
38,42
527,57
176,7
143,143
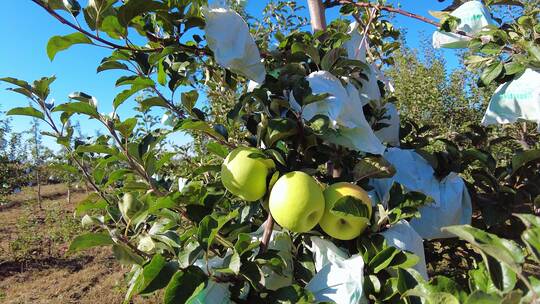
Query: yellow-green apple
x,y
296,202
245,176
344,227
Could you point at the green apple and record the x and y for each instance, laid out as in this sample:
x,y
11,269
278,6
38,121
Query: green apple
x,y
244,176
296,202
345,227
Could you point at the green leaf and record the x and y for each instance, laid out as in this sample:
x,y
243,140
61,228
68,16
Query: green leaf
x,y
383,259
183,284
77,107
126,127
479,279
484,157
190,253
529,220
135,8
161,75
350,206
113,28
521,159
153,102
157,274
89,240
210,225
501,275
137,81
111,65
26,111
373,167
480,297
97,11
218,149
199,126
405,281
60,43
123,96
95,148
504,251
189,99
24,87
491,72
280,128
92,202
292,294
126,255
330,59
41,87
531,237
449,23
440,290
81,96
231,264
513,68
245,244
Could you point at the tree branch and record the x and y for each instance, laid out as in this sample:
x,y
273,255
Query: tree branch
x,y
268,227
195,50
332,3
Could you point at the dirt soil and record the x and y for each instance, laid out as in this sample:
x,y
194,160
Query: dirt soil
x,y
45,273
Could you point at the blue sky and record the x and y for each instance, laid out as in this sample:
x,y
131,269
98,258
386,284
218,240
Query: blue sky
x,y
26,28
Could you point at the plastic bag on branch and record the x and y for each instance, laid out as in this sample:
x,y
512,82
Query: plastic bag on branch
x,y
344,109
451,203
474,16
339,279
514,100
404,237
390,133
228,37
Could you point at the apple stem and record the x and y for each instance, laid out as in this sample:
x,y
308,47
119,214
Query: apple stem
x,y
268,227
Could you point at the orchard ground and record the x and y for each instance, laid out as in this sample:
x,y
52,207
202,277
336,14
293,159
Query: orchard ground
x,y
34,264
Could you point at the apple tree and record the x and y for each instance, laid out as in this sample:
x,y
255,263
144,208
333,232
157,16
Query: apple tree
x,y
302,184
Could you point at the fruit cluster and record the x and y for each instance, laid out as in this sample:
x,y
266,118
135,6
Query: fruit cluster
x,y
297,201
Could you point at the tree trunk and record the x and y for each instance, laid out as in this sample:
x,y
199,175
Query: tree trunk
x,y
69,192
38,188
316,14
318,23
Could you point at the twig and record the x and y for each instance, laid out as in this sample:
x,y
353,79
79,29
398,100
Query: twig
x,y
195,50
268,227
332,3
329,4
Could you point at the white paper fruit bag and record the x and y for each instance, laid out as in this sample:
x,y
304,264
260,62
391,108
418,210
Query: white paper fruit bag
x,y
450,205
356,49
516,99
404,237
390,134
344,109
229,38
473,15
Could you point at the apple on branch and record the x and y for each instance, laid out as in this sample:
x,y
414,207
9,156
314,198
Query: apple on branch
x,y
244,173
297,202
347,211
